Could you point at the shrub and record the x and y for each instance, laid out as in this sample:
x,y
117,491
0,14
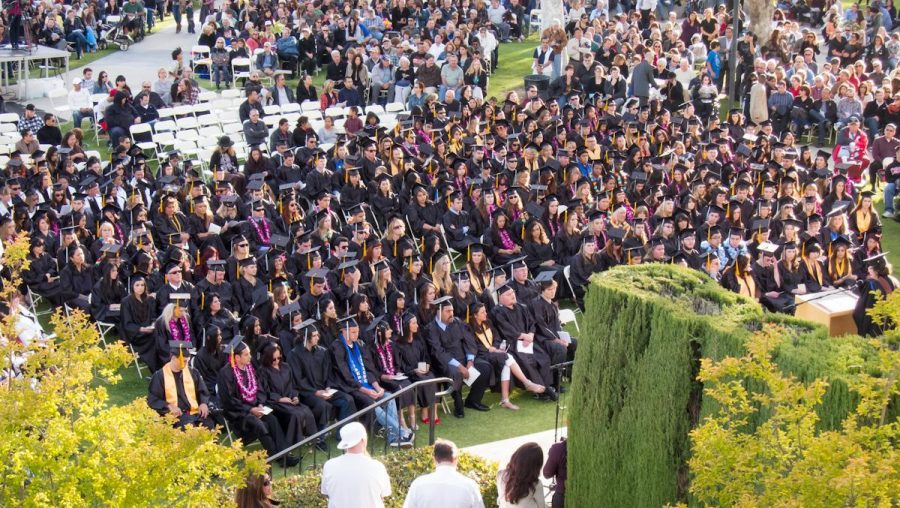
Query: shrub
x,y
635,393
403,468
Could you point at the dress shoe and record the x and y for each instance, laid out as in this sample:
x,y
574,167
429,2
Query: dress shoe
x,y
550,394
477,406
289,460
458,411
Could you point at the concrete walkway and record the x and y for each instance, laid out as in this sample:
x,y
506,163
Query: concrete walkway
x,y
501,451
140,62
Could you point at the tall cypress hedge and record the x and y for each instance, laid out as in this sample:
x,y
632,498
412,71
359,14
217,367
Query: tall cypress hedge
x,y
635,396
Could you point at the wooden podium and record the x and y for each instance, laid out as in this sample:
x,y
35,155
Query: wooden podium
x,y
832,309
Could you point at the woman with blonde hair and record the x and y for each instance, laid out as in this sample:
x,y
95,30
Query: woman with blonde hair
x,y
329,95
440,273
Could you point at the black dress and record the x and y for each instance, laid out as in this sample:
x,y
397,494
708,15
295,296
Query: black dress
x,y
296,420
409,355
156,398
36,278
102,297
135,315
76,286
237,411
386,362
869,291
312,371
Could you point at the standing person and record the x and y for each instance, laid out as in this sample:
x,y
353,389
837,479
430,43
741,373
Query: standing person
x,y
642,79
445,487
354,478
519,485
556,467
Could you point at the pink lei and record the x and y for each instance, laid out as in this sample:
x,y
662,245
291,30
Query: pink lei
x,y
180,330
507,242
386,354
248,389
263,233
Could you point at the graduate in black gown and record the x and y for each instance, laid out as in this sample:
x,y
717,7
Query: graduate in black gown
x,y
548,332
174,323
312,370
242,403
413,359
771,294
515,324
279,393
879,283
42,276
585,264
107,295
76,281
180,391
138,316
788,276
383,354
210,359
494,350
454,354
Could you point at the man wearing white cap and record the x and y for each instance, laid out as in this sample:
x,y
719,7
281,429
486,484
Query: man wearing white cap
x,y
80,103
355,479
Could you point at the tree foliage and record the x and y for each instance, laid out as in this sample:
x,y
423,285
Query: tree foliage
x,y
61,445
785,461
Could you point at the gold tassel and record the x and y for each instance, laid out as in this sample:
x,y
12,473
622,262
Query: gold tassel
x,y
364,248
202,300
308,262
238,271
270,285
469,254
231,360
467,313
395,248
198,257
181,357
523,231
629,257
280,207
177,312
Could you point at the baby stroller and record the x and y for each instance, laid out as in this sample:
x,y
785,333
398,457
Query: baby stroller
x,y
113,32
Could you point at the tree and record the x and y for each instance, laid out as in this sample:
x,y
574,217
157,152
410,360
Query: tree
x,y
61,445
785,460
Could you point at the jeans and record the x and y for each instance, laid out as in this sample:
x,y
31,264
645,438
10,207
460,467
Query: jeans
x,y
401,93
387,418
221,72
78,117
889,191
151,15
871,127
442,91
115,134
818,118
81,44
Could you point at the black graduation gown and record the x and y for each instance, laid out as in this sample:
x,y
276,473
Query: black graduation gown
x,y
36,278
163,335
247,426
380,366
102,298
765,281
208,365
296,420
136,314
456,343
510,324
313,370
580,271
343,376
75,286
409,355
525,291
156,397
869,290
607,261
225,292
812,282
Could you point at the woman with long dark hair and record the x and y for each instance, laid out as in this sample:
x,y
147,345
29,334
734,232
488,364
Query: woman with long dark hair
x,y
386,362
413,358
519,485
492,348
138,314
278,391
107,295
211,358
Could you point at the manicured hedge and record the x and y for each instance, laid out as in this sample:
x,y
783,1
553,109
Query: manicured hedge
x,y
635,397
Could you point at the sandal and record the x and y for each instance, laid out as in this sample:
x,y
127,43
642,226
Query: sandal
x,y
534,387
509,405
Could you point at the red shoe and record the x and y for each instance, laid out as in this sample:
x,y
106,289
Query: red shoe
x,y
437,421
425,419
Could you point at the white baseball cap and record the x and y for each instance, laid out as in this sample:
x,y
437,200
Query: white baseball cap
x,y
351,435
76,81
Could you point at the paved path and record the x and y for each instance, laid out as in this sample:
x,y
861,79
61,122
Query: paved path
x,y
140,62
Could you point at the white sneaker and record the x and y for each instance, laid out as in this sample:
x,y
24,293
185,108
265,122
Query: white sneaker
x,y
888,214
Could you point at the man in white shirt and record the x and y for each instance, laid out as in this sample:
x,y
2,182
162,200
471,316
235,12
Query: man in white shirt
x,y
80,103
495,13
445,487
355,479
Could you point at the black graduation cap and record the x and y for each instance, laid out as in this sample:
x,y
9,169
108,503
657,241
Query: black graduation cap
x,y
505,288
382,265
376,323
839,208
284,310
518,263
236,345
443,301
760,225
247,261
215,265
876,259
534,210
545,277
317,274
111,249
348,321
179,347
460,275
178,298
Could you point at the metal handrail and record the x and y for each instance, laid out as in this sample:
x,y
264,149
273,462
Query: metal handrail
x,y
559,366
369,409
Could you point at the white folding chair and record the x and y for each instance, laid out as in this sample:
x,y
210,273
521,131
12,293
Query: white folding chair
x,y
58,99
240,69
291,107
313,115
309,106
142,136
395,107
378,109
200,57
272,109
207,96
232,93
567,316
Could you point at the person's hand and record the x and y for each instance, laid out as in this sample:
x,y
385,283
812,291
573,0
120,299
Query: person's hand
x,y
463,371
174,410
295,401
285,400
256,411
204,410
322,394
146,329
